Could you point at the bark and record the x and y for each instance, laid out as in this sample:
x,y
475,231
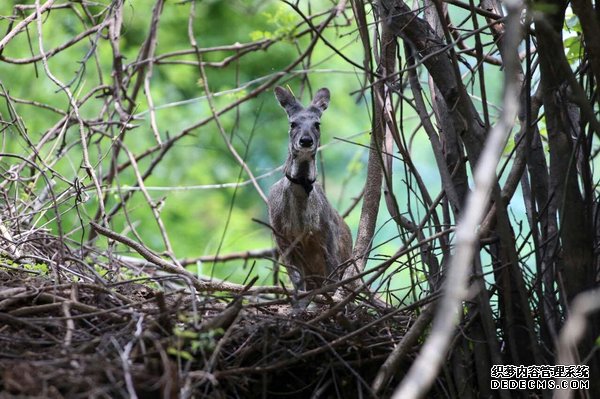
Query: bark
x,y
453,149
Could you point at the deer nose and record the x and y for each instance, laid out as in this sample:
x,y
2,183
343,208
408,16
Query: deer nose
x,y
306,141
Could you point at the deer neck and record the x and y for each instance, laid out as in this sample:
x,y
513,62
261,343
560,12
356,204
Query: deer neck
x,y
300,169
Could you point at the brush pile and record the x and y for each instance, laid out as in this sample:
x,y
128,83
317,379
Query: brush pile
x,y
66,332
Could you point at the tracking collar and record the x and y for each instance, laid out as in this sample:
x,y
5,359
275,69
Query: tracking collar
x,y
306,184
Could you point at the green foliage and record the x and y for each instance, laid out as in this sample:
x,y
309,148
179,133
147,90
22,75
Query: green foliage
x,y
283,22
190,343
39,268
573,46
573,43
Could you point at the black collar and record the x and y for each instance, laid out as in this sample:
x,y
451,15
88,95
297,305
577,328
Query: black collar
x,y
306,184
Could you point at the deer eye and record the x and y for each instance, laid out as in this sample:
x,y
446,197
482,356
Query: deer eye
x,y
293,125
318,125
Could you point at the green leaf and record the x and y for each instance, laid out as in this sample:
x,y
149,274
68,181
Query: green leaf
x,y
573,46
260,35
180,353
180,332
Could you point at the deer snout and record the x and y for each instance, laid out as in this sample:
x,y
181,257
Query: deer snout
x,y
306,141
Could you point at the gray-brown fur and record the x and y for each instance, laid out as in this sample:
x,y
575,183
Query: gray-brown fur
x,y
311,236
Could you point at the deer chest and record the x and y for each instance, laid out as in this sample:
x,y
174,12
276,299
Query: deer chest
x,y
303,216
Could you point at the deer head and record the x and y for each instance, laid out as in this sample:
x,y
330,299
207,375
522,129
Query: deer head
x,y
305,135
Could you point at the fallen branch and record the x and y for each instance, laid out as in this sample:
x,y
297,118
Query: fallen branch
x,y
196,282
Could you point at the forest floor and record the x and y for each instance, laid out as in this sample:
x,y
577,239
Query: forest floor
x,y
70,339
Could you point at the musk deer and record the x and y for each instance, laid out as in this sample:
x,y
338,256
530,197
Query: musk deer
x,y
311,236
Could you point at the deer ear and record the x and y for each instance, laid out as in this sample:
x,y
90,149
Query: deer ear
x,y
321,100
287,100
